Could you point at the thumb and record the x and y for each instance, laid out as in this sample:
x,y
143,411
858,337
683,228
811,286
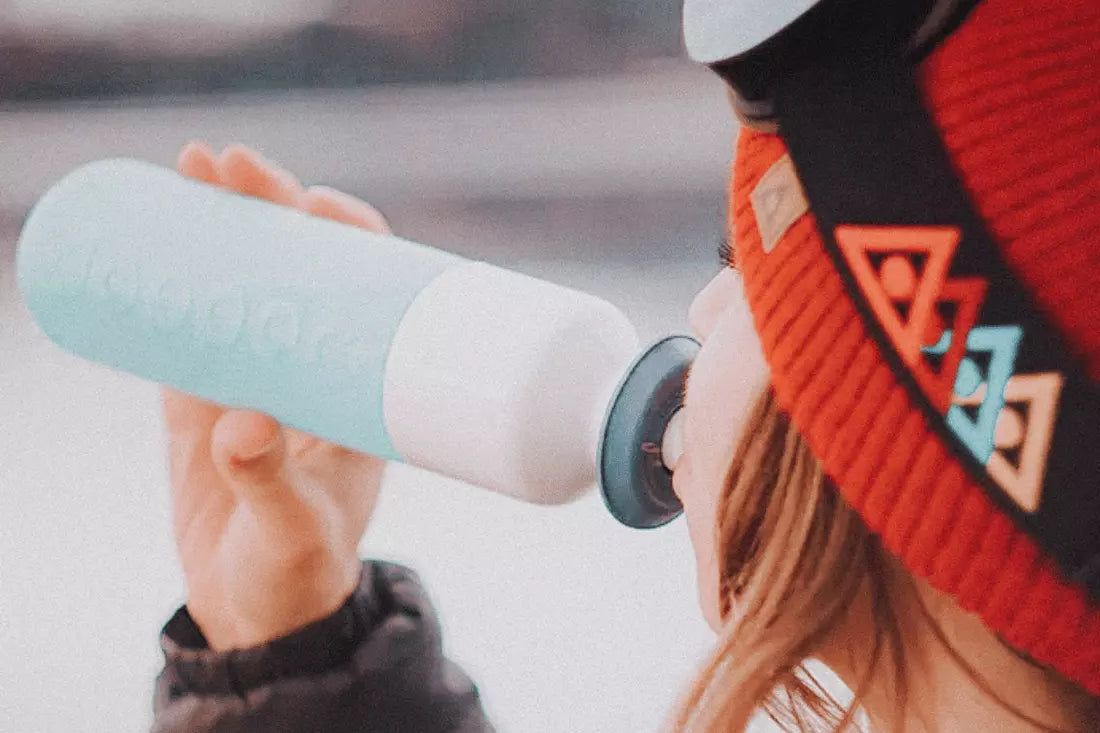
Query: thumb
x,y
250,453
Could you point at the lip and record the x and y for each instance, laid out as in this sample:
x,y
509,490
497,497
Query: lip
x,y
672,442
679,475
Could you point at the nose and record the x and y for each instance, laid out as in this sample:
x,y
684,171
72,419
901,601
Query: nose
x,y
712,301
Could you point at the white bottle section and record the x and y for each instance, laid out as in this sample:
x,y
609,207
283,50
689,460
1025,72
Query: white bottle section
x,y
502,380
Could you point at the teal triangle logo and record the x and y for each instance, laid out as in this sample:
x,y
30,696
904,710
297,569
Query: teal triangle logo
x,y
980,393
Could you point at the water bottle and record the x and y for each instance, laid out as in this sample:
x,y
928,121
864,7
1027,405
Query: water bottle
x,y
376,343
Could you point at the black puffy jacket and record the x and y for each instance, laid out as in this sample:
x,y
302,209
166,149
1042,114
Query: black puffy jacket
x,y
375,666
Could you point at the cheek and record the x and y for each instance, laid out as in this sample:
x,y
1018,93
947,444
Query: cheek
x,y
700,507
710,431
728,377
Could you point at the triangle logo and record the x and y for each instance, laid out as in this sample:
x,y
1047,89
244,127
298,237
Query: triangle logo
x,y
903,296
981,392
1024,428
770,201
948,340
778,201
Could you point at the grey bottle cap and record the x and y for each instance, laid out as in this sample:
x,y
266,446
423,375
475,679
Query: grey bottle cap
x,y
635,484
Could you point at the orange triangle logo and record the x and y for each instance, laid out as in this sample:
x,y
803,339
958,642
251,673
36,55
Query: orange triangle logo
x,y
904,299
1028,434
967,295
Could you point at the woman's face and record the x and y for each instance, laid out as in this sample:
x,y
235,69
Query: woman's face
x,y
727,378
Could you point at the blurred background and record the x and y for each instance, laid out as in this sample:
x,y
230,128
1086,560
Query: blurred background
x,y
568,140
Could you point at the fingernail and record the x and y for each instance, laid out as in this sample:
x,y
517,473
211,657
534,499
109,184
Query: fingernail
x,y
264,450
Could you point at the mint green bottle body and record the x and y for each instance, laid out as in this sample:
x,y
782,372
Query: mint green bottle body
x,y
377,343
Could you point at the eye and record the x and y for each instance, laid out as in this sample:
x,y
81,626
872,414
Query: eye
x,y
726,256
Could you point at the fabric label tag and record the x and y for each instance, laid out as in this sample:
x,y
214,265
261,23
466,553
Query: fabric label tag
x,y
778,202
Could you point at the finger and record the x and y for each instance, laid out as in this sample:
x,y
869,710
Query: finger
x,y
189,422
185,414
350,479
300,444
332,204
250,452
247,442
246,172
197,160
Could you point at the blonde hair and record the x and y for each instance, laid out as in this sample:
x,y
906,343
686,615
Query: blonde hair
x,y
791,590
794,555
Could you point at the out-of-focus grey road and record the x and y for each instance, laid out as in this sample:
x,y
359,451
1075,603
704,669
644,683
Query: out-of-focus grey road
x,y
567,621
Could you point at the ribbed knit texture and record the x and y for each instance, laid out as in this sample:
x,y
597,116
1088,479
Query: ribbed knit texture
x,y
1016,94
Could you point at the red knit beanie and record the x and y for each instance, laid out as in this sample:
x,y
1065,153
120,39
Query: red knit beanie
x,y
1015,95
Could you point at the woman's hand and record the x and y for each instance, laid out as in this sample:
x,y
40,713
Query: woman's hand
x,y
267,519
